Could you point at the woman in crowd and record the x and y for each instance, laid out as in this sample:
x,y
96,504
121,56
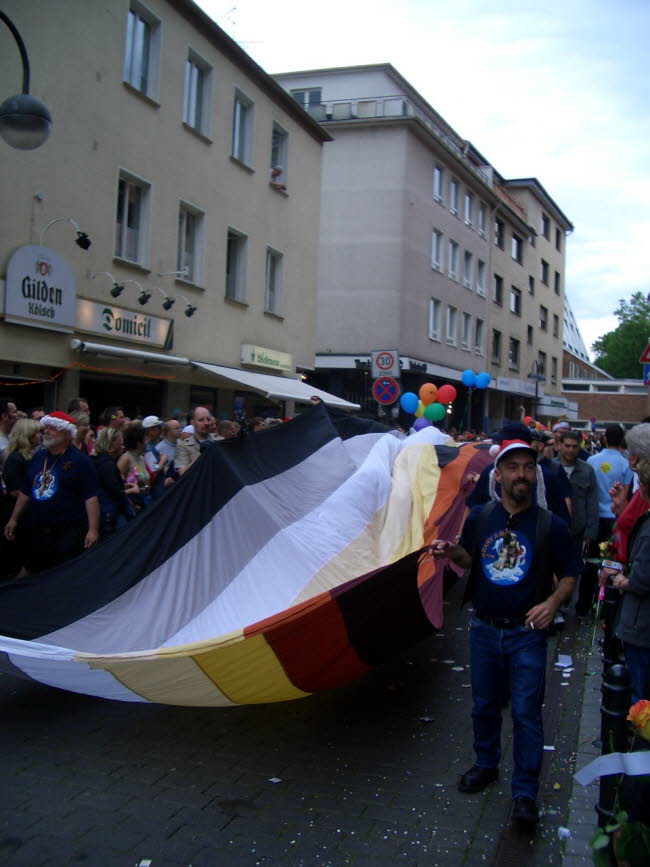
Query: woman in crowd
x,y
115,507
84,439
633,620
137,476
24,439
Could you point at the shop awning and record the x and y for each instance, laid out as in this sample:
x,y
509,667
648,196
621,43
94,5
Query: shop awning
x,y
278,387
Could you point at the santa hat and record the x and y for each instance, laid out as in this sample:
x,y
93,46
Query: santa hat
x,y
59,420
497,451
561,425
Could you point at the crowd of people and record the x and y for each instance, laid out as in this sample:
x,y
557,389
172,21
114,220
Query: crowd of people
x,y
67,483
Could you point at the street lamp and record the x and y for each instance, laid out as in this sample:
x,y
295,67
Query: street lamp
x,y
25,123
117,289
536,373
168,301
190,310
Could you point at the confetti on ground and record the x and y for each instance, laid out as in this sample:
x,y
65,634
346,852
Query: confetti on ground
x,y
566,674
449,661
564,660
563,833
564,683
275,780
549,748
426,719
458,668
556,786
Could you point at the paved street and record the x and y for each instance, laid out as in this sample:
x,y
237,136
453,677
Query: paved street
x,y
362,775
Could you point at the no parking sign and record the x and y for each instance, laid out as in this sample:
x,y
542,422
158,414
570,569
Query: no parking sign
x,y
385,390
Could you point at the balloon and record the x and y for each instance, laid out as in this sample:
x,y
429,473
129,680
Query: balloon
x,y
527,420
409,402
468,378
419,412
435,412
420,423
483,380
428,393
446,394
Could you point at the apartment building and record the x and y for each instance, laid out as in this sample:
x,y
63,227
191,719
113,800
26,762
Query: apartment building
x,y
427,250
196,179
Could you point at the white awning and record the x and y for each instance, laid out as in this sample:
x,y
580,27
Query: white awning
x,y
126,352
281,387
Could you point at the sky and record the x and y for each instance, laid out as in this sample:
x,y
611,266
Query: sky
x,y
558,90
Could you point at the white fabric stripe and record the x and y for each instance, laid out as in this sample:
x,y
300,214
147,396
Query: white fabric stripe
x,y
298,552
162,603
73,676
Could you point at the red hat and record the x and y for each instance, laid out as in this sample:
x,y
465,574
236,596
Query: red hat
x,y
498,451
60,420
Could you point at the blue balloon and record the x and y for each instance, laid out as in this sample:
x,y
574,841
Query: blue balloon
x,y
483,380
468,378
409,402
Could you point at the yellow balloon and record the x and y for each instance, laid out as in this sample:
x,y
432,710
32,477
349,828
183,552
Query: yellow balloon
x,y
419,412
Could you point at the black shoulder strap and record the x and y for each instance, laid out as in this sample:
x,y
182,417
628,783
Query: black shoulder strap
x,y
540,554
479,533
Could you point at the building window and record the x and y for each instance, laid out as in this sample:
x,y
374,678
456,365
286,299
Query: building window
x,y
498,290
452,324
190,243
544,272
513,354
142,50
481,271
309,98
469,208
558,240
515,300
496,346
546,227
467,270
453,196
543,317
499,233
556,325
273,288
437,183
465,329
434,319
553,370
236,266
530,335
453,260
517,248
541,363
531,285
436,250
279,155
242,129
556,283
482,212
132,219
479,328
196,94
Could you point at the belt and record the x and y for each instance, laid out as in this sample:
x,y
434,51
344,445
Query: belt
x,y
501,622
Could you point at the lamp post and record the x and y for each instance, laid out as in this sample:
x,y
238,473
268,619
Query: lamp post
x,y
537,374
25,123
82,240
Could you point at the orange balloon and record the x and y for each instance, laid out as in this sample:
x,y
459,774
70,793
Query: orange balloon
x,y
428,393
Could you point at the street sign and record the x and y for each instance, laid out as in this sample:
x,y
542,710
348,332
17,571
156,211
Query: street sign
x,y
385,390
384,362
645,355
646,374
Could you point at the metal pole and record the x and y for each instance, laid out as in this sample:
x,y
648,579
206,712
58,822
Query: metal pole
x,y
614,734
21,47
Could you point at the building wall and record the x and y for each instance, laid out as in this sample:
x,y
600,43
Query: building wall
x,y
101,126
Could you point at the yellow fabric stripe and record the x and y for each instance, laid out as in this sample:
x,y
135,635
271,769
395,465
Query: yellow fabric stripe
x,y
248,672
165,680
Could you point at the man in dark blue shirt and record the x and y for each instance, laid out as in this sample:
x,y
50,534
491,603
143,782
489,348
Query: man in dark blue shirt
x,y
513,549
60,488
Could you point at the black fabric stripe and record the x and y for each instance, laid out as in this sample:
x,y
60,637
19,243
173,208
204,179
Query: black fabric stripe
x,y
43,603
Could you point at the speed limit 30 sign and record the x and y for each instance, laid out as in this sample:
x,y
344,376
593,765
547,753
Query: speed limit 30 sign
x,y
384,362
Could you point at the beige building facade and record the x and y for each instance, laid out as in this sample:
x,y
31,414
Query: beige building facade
x,y
197,181
426,250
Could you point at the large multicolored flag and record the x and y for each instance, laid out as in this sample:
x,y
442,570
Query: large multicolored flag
x,y
282,563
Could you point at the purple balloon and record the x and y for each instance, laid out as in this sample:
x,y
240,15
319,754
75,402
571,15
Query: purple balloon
x,y
420,423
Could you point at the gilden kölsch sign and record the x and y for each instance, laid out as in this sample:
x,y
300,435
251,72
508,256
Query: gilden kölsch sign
x,y
40,290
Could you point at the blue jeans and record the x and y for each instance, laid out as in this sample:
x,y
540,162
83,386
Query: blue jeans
x,y
517,655
637,660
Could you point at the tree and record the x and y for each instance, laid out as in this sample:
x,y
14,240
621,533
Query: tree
x,y
618,351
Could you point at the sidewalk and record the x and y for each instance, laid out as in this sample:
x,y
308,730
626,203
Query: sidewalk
x,y
363,775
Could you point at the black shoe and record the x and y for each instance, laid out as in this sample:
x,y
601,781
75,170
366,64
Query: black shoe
x,y
476,779
524,810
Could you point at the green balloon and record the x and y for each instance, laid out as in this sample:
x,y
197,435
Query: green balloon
x,y
434,412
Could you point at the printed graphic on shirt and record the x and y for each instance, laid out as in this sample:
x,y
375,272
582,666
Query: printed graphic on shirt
x,y
45,486
506,557
605,467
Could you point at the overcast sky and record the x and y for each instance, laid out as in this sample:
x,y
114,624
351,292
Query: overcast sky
x,y
558,90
